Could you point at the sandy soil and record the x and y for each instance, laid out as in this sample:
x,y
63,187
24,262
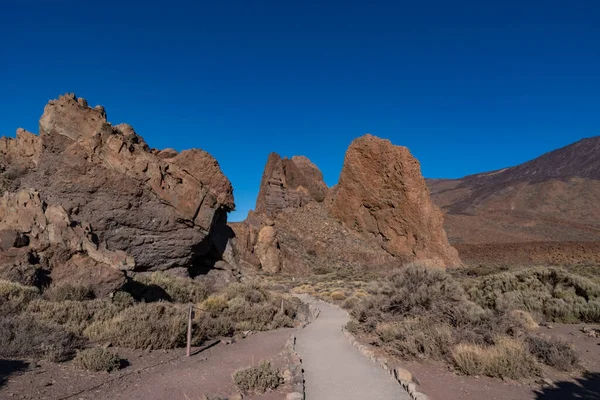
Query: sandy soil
x,y
155,375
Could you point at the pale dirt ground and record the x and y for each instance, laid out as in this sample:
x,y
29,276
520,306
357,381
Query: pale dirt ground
x,y
155,375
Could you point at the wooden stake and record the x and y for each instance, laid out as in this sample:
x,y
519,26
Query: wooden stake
x,y
282,305
189,332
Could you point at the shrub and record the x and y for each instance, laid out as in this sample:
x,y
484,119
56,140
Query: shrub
x,y
160,286
554,352
214,305
14,296
337,295
69,292
523,320
23,336
257,379
75,316
97,359
553,292
416,338
507,357
147,325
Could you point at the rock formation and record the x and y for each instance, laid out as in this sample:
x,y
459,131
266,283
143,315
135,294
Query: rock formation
x,y
378,216
289,183
117,202
382,193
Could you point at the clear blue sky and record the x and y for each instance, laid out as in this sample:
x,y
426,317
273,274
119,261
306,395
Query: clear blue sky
x,y
468,86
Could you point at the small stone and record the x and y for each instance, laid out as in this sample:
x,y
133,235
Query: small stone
x,y
420,396
294,396
547,381
411,387
287,375
402,374
106,345
236,396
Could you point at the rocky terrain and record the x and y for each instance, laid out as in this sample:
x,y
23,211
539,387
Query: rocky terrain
x,y
379,215
84,201
552,198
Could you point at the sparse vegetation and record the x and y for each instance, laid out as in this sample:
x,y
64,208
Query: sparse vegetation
x,y
160,286
258,379
143,326
23,336
97,359
69,292
480,324
506,357
554,352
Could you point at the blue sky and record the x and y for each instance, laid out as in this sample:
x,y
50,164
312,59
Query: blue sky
x,y
468,86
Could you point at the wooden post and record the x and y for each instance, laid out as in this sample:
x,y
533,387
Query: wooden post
x,y
282,305
189,332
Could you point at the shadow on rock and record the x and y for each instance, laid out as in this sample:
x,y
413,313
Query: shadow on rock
x,y
9,367
585,388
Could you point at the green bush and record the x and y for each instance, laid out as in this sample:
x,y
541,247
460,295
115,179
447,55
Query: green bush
x,y
257,379
97,359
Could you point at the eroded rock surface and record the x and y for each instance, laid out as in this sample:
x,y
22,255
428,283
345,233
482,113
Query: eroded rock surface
x,y
381,193
144,208
378,216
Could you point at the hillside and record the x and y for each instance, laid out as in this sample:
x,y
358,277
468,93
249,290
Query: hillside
x,y
553,198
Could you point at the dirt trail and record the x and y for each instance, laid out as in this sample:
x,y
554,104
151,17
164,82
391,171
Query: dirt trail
x,y
333,369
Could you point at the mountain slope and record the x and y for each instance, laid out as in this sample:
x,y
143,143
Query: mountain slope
x,y
554,197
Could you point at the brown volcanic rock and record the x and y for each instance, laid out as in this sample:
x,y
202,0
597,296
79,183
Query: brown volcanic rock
x,y
156,208
382,194
554,197
289,183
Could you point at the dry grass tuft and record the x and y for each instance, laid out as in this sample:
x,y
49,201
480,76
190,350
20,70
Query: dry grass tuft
x,y
507,357
257,379
69,292
146,325
554,352
97,359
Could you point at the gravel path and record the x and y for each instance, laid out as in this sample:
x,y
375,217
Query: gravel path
x,y
333,369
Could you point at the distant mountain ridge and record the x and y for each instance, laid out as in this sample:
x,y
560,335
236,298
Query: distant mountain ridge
x,y
554,197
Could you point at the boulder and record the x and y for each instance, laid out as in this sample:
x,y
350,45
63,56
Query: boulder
x,y
99,191
382,194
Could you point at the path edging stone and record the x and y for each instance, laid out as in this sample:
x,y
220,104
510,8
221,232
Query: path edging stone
x,y
296,375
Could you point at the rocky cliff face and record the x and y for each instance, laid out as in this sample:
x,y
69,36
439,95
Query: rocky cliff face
x,y
381,193
378,216
117,202
289,183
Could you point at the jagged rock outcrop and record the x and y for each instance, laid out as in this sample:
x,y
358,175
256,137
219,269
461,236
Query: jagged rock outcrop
x,y
381,193
378,216
289,183
158,209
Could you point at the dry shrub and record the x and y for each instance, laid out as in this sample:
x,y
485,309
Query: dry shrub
x,y
523,320
161,286
97,359
337,295
23,336
147,325
74,316
554,352
559,295
507,357
243,307
257,379
14,296
416,338
69,292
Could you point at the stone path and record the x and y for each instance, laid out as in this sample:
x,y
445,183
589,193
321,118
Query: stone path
x,y
333,369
